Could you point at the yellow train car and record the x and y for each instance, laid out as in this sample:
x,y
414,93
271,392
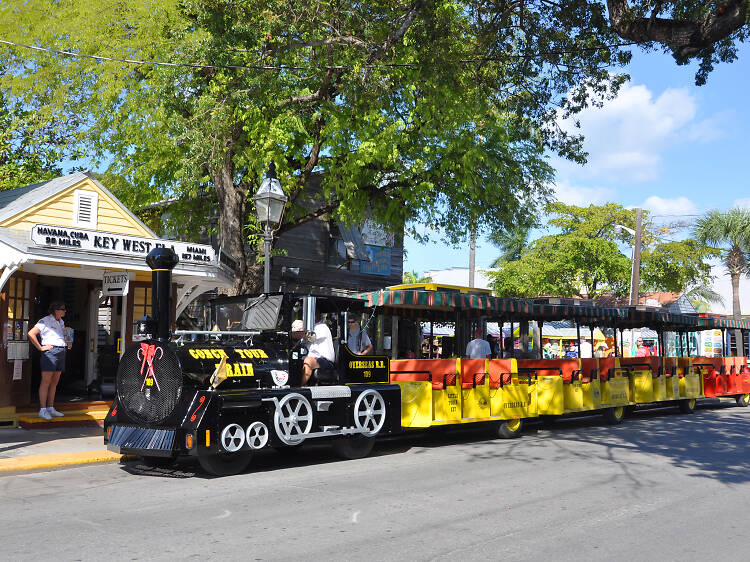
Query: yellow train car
x,y
511,390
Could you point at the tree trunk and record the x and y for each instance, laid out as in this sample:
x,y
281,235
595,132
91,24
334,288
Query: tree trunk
x,y
737,312
232,213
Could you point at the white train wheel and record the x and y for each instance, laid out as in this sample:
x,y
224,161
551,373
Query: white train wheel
x,y
257,435
369,412
232,438
292,419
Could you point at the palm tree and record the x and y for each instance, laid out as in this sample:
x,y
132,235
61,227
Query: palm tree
x,y
730,233
512,243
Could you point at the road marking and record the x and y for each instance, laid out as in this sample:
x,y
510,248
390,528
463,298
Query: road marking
x,y
224,515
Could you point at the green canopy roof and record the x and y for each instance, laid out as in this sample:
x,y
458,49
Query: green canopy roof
x,y
448,306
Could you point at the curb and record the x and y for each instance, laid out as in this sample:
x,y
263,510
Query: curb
x,y
56,460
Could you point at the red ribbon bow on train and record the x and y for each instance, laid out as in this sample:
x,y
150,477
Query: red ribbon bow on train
x,y
148,353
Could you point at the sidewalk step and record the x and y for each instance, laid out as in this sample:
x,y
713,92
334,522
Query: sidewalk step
x,y
55,460
65,407
72,417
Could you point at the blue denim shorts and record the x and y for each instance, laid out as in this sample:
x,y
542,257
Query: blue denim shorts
x,y
53,360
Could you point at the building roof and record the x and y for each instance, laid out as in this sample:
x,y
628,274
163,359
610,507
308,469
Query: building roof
x,y
672,302
14,201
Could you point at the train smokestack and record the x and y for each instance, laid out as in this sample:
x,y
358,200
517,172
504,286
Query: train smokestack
x,y
162,261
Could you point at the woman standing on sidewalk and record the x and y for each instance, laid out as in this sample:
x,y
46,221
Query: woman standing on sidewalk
x,y
53,347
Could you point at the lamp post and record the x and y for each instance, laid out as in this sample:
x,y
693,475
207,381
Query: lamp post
x,y
269,205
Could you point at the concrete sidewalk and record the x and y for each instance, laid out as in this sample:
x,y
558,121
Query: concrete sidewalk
x,y
23,450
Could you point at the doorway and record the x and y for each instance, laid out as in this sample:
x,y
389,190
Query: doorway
x,y
75,294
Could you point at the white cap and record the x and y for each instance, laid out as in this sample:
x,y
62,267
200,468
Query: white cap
x,y
297,326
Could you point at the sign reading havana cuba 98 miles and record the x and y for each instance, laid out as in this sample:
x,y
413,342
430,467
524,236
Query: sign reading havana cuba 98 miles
x,y
109,243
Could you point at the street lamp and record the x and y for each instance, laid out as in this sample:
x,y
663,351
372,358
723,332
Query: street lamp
x,y
269,205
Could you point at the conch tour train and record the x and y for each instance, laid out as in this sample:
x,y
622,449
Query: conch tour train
x,y
220,395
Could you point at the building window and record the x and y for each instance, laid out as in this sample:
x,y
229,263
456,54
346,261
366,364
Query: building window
x,y
86,207
141,302
19,308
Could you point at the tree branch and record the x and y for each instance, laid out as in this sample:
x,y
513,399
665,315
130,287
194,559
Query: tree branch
x,y
686,37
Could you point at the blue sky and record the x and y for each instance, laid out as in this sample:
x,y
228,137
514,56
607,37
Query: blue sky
x,y
664,144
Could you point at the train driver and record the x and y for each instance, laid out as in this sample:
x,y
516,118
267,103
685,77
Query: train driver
x,y
320,352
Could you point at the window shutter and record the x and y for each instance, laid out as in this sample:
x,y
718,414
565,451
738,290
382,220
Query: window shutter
x,y
85,212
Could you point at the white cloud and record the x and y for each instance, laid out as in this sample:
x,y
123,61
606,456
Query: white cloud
x,y
676,206
744,203
626,137
582,196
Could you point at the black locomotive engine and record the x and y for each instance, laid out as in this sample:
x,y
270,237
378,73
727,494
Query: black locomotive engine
x,y
220,396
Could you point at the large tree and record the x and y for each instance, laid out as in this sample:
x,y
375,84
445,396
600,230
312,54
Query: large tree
x,y
428,112
424,112
583,257
729,232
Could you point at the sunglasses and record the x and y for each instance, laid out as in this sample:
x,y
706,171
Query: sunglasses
x,y
352,321
63,309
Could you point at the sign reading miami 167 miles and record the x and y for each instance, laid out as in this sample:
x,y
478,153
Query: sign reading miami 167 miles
x,y
109,243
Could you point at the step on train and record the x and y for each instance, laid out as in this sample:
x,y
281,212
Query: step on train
x,y
218,396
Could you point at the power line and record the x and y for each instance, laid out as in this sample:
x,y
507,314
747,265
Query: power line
x,y
309,67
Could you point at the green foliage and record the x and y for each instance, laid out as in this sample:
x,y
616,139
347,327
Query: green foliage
x,y
27,151
584,258
433,113
427,113
412,278
674,266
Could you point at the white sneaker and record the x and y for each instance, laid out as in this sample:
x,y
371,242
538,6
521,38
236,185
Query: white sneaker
x,y
43,413
54,413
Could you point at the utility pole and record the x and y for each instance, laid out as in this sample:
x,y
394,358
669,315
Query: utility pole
x,y
472,254
635,277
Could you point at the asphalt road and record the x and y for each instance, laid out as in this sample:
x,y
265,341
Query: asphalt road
x,y
662,486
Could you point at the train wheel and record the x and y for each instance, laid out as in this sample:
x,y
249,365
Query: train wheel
x,y
743,400
256,435
614,416
354,447
510,429
369,412
687,406
225,464
292,419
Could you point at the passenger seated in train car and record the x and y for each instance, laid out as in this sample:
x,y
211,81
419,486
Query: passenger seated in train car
x,y
478,348
586,349
358,341
642,350
320,352
494,347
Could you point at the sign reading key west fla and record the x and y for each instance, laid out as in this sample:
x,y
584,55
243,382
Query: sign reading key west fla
x,y
109,243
